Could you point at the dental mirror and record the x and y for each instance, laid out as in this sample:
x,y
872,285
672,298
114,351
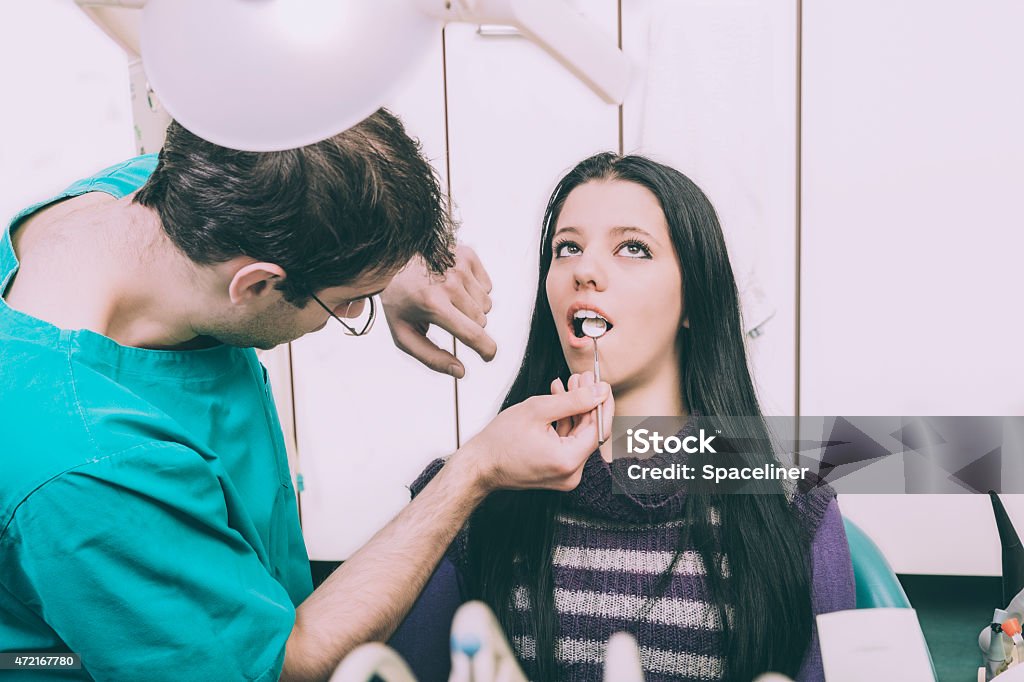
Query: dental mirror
x,y
595,328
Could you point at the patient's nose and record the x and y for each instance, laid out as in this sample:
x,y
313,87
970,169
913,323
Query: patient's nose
x,y
588,271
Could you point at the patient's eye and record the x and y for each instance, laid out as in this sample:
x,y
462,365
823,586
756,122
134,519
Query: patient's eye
x,y
566,248
634,249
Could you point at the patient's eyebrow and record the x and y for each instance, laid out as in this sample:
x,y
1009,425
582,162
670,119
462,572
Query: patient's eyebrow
x,y
617,231
566,229
629,229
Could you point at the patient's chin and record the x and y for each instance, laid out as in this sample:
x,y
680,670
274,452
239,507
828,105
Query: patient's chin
x,y
579,367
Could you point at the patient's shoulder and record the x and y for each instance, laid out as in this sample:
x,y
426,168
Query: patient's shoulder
x,y
813,500
426,476
457,552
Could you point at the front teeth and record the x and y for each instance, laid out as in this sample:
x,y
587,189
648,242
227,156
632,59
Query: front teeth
x,y
581,314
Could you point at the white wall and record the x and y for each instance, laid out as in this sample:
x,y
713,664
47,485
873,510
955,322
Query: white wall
x,y
66,111
912,241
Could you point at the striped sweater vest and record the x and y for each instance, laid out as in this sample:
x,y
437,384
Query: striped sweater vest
x,y
609,553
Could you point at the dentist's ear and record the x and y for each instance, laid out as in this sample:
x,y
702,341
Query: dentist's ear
x,y
252,281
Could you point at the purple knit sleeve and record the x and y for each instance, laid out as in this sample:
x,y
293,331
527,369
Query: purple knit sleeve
x,y
425,477
422,638
832,583
457,550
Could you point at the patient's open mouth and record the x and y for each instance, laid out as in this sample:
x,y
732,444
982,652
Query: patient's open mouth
x,y
587,322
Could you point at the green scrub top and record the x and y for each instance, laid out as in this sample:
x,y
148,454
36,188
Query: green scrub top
x,y
147,517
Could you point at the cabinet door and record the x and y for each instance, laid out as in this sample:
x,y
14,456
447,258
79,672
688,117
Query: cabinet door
x,y
368,418
517,122
911,240
717,100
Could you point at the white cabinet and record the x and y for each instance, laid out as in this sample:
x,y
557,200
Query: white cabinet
x,y
912,157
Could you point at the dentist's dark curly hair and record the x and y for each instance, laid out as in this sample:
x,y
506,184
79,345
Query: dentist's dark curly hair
x,y
511,535
362,202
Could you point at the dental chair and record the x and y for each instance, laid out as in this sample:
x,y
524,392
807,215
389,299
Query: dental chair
x,y
876,583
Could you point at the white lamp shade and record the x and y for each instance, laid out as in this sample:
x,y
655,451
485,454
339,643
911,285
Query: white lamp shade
x,y
266,75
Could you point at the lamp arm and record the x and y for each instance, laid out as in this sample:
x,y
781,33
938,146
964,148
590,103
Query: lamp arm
x,y
121,26
565,34
125,4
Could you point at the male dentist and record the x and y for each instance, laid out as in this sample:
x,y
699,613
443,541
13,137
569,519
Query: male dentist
x,y
147,520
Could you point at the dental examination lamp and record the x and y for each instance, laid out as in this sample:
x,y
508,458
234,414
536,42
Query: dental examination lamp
x,y
266,75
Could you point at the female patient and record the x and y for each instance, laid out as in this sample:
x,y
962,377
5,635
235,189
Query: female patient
x,y
712,585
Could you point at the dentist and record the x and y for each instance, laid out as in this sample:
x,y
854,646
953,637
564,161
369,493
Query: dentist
x,y
147,518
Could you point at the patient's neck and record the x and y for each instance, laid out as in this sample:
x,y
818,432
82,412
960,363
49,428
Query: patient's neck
x,y
656,395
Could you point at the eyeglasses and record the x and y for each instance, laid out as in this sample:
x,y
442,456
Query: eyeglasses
x,y
365,326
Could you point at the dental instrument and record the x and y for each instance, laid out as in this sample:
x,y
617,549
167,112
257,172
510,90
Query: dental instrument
x,y
595,328
373,661
480,651
1000,642
622,659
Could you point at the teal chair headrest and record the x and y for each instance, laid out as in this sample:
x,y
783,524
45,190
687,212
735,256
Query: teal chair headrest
x,y
876,582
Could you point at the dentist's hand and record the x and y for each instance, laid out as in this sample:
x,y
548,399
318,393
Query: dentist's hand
x,y
521,449
458,303
565,426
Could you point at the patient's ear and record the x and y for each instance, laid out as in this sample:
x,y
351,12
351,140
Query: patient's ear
x,y
252,281
686,322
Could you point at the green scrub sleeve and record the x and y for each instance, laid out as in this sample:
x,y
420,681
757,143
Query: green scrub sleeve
x,y
133,561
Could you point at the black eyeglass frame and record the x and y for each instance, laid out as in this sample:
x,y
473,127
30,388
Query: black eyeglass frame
x,y
349,330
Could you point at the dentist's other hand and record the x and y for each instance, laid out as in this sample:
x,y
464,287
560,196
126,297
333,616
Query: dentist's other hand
x,y
521,449
458,303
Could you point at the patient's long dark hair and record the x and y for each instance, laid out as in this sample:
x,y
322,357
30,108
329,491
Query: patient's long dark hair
x,y
511,536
